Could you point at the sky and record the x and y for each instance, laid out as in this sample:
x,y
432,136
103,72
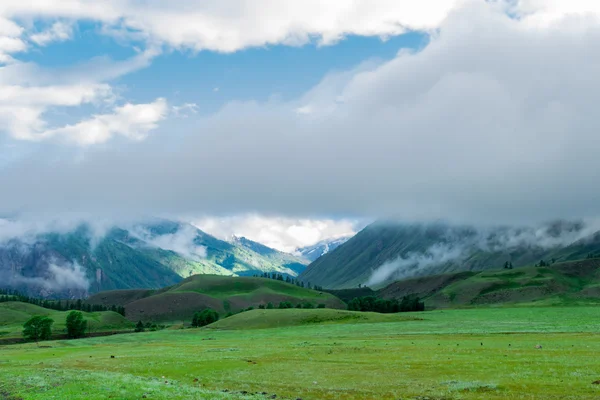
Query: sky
x,y
265,117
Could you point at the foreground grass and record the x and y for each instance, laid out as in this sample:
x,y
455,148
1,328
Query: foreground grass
x,y
460,354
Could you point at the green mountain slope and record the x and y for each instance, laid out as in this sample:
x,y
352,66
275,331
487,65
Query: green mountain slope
x,y
559,284
353,262
421,250
221,293
294,263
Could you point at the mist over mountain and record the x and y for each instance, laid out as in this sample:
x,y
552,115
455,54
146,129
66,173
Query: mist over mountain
x,y
76,262
387,251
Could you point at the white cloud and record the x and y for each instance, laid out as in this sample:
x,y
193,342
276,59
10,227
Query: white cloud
x,y
133,121
213,25
542,13
10,40
181,242
208,25
56,278
28,92
489,122
58,32
184,110
281,233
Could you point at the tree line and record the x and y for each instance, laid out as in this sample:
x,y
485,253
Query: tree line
x,y
58,305
374,304
287,279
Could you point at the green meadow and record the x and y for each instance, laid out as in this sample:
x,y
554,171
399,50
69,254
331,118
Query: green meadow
x,y
482,353
14,314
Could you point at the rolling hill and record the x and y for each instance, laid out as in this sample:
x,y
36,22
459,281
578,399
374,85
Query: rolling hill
x,y
151,255
14,314
221,293
263,319
407,250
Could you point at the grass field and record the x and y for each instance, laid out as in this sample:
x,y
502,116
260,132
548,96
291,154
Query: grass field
x,y
485,353
14,314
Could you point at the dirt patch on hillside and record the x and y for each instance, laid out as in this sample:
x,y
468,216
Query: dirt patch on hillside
x,y
593,291
348,294
171,307
423,286
584,269
119,297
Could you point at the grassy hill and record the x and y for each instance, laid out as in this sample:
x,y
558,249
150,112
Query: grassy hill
x,y
14,314
221,293
559,284
263,319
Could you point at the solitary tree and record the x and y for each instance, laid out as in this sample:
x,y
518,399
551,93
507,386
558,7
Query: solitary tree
x,y
139,327
76,325
38,328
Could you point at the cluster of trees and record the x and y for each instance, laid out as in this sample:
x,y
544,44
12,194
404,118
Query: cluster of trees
x,y
148,326
39,328
58,305
592,255
288,279
286,304
508,265
306,304
204,317
544,263
374,304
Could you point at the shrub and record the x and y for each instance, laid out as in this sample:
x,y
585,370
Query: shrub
x,y
321,305
205,317
270,306
286,304
139,327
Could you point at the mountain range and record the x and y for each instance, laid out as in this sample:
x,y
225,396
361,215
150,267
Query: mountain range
x,y
150,255
163,253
